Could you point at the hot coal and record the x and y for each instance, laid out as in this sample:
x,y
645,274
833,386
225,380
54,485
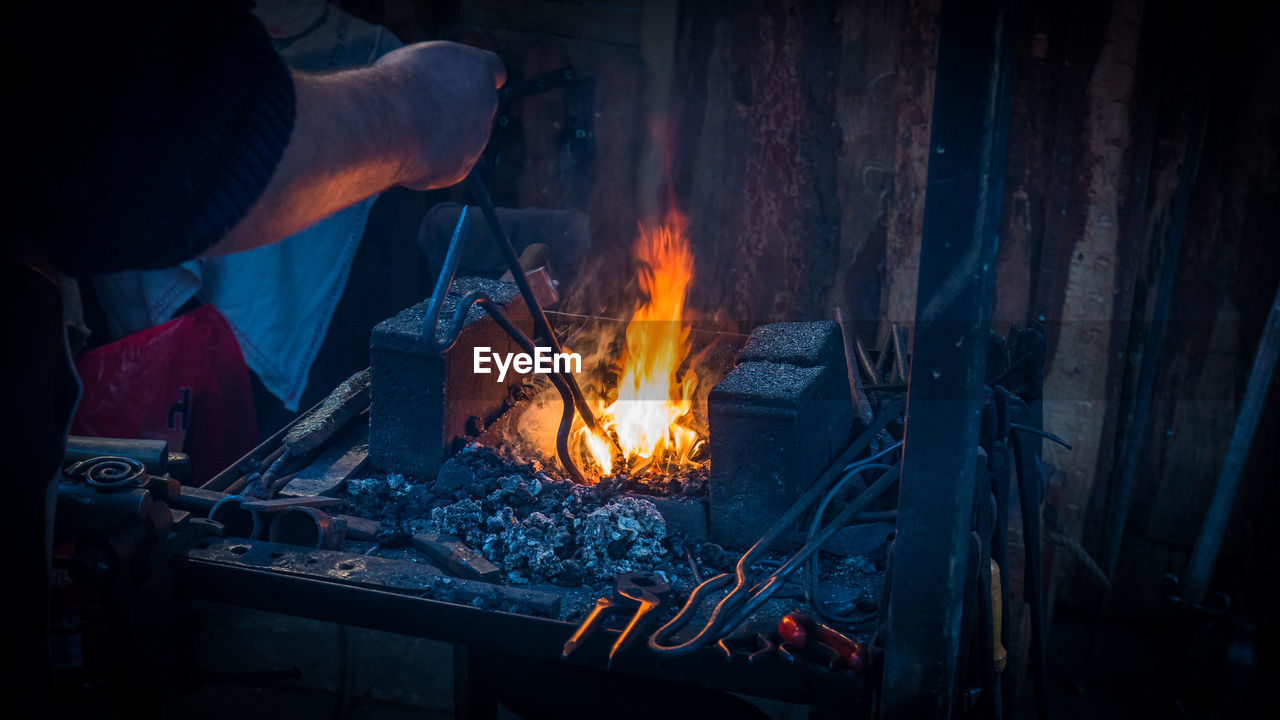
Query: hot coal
x,y
535,526
685,482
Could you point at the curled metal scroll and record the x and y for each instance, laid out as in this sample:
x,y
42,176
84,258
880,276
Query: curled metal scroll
x,y
109,472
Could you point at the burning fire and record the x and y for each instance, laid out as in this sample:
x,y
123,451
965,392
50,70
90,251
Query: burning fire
x,y
650,413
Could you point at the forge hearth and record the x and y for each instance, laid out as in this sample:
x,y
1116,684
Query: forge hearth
x,y
775,421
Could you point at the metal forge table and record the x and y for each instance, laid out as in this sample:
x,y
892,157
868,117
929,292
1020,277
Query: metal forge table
x,y
962,215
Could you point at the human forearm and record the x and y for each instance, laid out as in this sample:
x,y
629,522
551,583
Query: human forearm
x,y
339,153
420,117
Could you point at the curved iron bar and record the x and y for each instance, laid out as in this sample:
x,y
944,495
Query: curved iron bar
x,y
559,380
540,324
741,599
570,394
1042,433
758,597
442,344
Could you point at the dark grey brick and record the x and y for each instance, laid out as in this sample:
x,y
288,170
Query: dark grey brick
x,y
809,345
422,401
803,344
774,427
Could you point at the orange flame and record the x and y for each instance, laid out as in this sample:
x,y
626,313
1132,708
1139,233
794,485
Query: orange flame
x,y
646,398
650,413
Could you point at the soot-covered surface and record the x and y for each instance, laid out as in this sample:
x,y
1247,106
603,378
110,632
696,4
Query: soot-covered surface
x,y
535,526
547,532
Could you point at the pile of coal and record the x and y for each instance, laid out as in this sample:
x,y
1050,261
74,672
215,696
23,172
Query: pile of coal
x,y
534,525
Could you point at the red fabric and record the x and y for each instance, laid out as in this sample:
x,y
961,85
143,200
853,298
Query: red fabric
x,y
184,381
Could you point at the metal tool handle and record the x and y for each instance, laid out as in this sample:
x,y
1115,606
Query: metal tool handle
x,y
587,626
742,600
629,632
541,327
564,382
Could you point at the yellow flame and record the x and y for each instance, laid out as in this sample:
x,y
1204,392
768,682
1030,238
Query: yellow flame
x,y
649,414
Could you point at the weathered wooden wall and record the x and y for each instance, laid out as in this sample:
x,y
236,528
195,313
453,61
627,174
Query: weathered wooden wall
x,y
755,154
1227,270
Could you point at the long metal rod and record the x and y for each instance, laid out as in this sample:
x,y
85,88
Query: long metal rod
x,y
967,158
1025,462
1205,555
540,325
431,320
735,600
861,405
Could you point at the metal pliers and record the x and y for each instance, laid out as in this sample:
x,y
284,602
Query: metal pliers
x,y
631,591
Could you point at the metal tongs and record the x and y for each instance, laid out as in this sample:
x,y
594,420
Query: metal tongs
x,y
747,597
570,394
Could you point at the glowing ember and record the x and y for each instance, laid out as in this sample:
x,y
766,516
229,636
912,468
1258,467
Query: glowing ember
x,y
648,415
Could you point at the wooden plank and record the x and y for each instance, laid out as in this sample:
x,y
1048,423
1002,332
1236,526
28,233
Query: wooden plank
x,y
918,55
755,160
866,113
1077,372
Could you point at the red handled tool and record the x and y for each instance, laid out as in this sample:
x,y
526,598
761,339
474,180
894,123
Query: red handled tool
x,y
798,630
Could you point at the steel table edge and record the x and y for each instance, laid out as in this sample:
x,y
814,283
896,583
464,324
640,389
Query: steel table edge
x,y
329,600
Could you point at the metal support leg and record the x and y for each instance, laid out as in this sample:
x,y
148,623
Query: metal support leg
x,y
472,700
946,376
